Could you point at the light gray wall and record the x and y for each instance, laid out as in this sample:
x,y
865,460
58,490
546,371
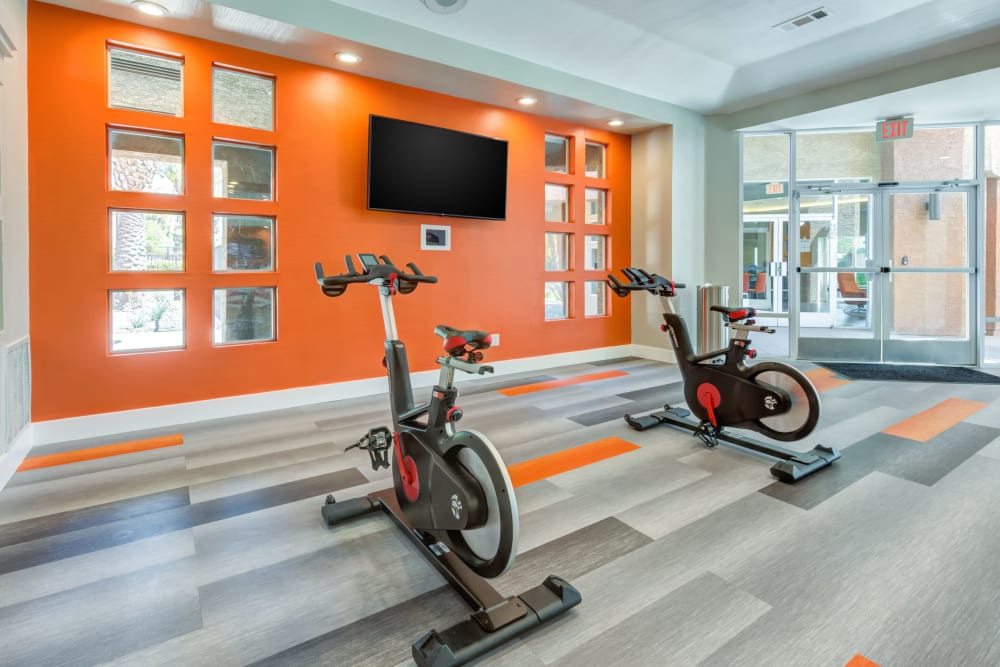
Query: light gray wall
x,y
722,202
13,200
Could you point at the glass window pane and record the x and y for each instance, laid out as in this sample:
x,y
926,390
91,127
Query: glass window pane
x,y
556,300
242,172
556,154
595,253
556,203
595,160
240,98
837,156
556,252
931,154
147,319
145,162
144,82
765,222
243,314
147,241
595,202
243,243
991,342
992,228
766,157
595,298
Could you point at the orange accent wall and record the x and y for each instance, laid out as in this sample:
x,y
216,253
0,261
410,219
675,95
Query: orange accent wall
x,y
492,279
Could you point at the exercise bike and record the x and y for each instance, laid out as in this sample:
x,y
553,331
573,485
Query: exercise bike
x,y
451,495
770,398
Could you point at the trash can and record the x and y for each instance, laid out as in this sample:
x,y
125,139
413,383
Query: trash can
x,y
712,331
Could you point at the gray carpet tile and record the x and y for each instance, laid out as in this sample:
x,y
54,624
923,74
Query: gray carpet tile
x,y
681,628
101,621
73,520
59,546
215,553
385,637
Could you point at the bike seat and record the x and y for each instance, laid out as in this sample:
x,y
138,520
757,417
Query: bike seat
x,y
458,341
735,314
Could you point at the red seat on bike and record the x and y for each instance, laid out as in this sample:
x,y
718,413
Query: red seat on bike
x,y
735,314
458,341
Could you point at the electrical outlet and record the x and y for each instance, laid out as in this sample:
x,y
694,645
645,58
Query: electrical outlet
x,y
495,338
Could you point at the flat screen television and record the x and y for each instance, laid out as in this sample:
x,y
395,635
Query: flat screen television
x,y
415,168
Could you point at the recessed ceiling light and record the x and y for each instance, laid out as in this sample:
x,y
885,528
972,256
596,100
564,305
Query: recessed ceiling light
x,y
444,6
527,100
151,8
347,57
616,122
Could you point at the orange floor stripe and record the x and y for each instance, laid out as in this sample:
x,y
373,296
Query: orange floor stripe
x,y
62,458
552,384
824,379
861,661
934,421
543,467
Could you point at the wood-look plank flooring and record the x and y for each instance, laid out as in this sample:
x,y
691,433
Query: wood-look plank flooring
x,y
213,552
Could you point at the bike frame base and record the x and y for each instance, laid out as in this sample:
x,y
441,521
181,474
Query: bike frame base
x,y
792,466
495,619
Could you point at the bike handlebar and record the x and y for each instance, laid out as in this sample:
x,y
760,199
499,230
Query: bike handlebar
x,y
383,273
640,279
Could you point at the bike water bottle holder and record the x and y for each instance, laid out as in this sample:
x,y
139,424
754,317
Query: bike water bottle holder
x,y
376,442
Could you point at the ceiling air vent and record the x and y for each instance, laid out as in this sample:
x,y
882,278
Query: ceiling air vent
x,y
804,19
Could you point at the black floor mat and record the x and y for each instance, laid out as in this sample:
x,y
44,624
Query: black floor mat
x,y
909,373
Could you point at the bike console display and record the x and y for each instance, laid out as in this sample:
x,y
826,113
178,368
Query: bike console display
x,y
368,261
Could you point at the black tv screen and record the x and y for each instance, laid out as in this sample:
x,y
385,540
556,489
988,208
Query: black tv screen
x,y
415,168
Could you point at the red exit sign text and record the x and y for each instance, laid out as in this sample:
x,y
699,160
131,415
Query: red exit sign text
x,y
894,128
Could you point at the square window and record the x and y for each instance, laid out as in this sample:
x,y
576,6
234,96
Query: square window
x,y
243,315
557,251
595,252
556,203
556,154
240,171
241,98
595,302
146,162
144,82
594,160
143,320
243,243
147,241
595,206
556,300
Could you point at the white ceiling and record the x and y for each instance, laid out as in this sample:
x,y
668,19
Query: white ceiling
x,y
643,60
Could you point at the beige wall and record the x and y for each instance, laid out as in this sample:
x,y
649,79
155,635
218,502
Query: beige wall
x,y
668,210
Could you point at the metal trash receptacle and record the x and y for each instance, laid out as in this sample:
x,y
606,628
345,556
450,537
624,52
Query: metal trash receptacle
x,y
712,331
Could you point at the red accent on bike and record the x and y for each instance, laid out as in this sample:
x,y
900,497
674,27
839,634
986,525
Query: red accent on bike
x,y
489,339
752,354
393,280
453,342
663,328
709,398
739,314
407,471
450,412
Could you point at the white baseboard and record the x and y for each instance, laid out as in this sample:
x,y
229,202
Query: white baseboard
x,y
654,353
16,454
110,423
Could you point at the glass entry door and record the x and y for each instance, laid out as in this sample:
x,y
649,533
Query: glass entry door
x,y
928,279
886,275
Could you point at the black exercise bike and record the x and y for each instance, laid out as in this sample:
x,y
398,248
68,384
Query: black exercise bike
x,y
771,398
451,492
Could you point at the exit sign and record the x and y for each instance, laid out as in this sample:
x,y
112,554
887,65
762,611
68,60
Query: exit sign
x,y
894,128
